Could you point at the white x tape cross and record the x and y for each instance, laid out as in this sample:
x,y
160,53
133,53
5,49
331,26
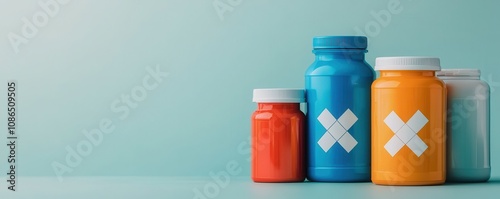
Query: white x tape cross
x,y
406,133
336,130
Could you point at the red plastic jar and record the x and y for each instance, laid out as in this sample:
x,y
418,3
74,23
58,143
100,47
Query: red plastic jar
x,y
278,136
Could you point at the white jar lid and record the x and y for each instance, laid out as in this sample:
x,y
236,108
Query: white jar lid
x,y
284,95
407,63
459,73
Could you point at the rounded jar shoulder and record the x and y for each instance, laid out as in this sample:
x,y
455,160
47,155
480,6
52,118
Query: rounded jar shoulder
x,y
276,114
466,88
408,82
324,68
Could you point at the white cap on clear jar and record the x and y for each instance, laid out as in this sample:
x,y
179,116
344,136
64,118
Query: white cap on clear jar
x,y
459,73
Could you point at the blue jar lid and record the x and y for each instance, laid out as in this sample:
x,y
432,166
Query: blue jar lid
x,y
340,42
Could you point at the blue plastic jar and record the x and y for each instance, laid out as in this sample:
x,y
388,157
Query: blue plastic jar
x,y
338,110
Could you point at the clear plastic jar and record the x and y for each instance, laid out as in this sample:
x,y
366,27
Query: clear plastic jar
x,y
468,125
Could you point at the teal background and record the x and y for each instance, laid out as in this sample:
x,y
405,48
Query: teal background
x,y
92,52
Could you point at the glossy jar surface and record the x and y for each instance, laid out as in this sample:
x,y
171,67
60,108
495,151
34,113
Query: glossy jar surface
x,y
338,110
408,128
278,143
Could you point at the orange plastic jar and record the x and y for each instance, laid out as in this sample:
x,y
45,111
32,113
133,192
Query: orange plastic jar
x,y
278,136
408,122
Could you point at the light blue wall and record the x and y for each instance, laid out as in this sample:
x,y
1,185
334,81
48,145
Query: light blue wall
x,y
91,52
